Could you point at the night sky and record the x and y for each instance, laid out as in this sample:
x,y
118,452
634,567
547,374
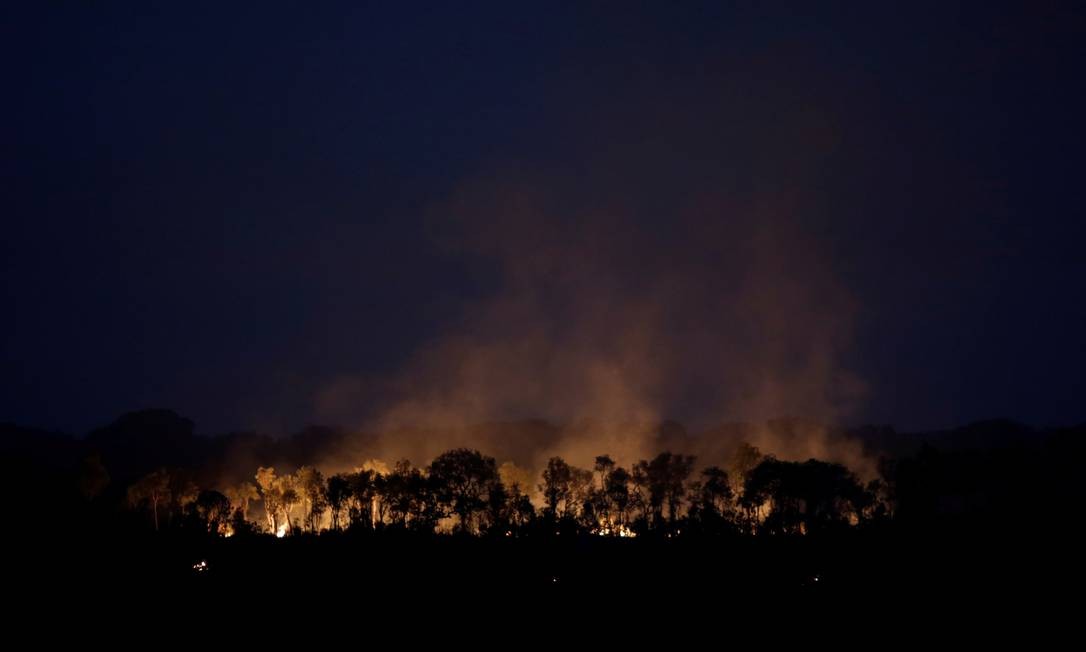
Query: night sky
x,y
277,214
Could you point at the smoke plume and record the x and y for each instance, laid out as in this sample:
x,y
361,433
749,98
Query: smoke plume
x,y
604,325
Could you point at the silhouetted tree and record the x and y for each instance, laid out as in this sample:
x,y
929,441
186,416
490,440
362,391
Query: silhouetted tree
x,y
426,509
867,504
801,498
679,469
518,510
581,504
831,495
887,488
496,516
314,498
241,495
604,466
462,480
288,498
557,478
381,500
618,494
767,492
599,499
400,494
363,492
665,479
743,461
240,526
152,490
339,492
711,499
270,494
183,493
639,496
521,512
213,509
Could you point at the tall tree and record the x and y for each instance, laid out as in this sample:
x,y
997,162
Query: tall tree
x,y
579,505
152,489
519,511
289,497
556,486
462,479
599,498
425,507
270,494
604,466
618,494
339,492
241,495
213,509
665,479
363,492
398,492
566,493
313,495
798,498
711,499
183,493
743,461
639,495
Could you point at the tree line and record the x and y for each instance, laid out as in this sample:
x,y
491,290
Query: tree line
x,y
463,491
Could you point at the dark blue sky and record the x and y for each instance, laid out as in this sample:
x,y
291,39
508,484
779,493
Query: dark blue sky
x,y
224,210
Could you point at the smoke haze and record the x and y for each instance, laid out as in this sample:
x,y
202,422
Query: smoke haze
x,y
608,324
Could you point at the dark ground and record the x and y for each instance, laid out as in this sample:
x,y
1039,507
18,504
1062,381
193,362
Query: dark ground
x,y
859,564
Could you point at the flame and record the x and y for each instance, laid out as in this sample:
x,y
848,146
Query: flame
x,y
611,530
282,531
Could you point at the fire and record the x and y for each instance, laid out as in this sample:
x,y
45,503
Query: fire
x,y
282,531
612,530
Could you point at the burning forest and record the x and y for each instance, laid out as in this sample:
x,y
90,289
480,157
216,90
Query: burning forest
x,y
465,492
653,302
159,501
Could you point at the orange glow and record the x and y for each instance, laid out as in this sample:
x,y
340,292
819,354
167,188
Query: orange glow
x,y
611,530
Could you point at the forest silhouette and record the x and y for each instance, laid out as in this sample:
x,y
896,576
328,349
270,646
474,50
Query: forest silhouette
x,y
983,507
